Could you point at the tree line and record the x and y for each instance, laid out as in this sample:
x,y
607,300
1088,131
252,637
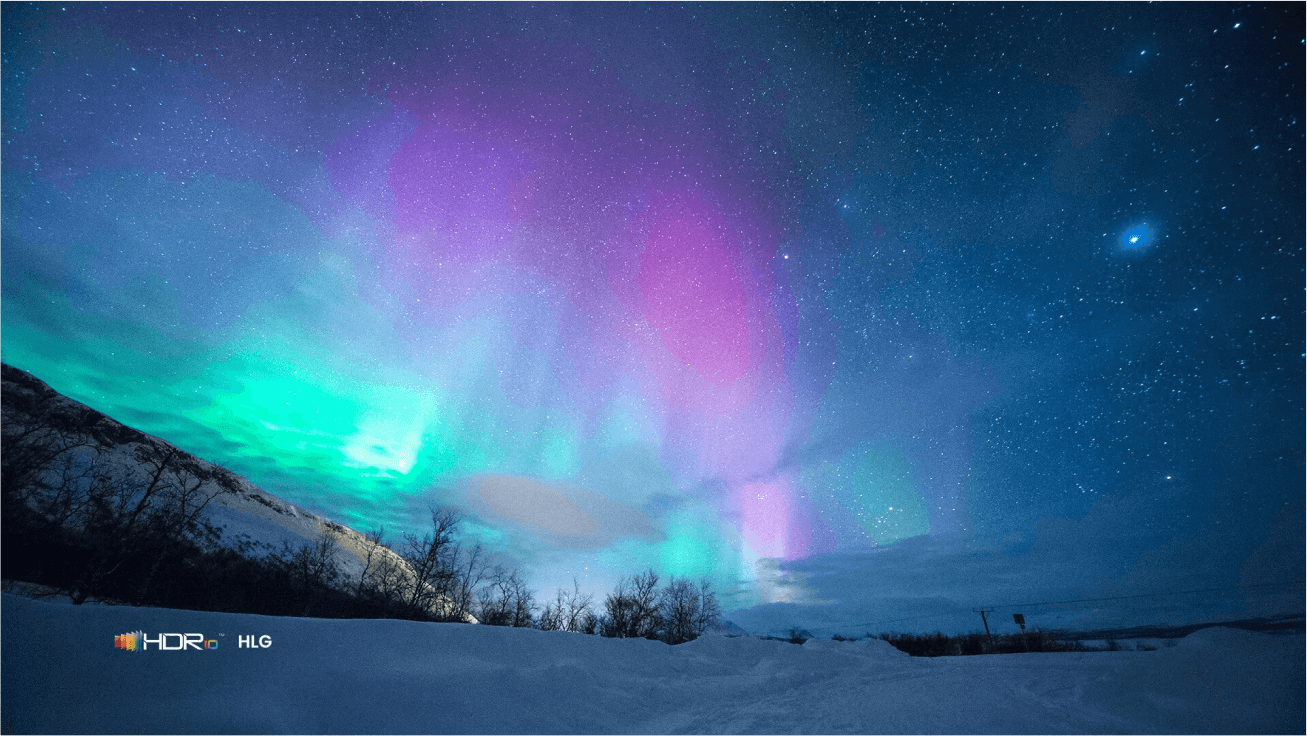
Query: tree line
x,y
434,576
93,509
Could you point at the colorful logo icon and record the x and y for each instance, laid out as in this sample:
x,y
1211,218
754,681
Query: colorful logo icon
x,y
130,642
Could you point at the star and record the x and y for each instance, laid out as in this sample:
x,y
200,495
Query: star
x,y
1137,237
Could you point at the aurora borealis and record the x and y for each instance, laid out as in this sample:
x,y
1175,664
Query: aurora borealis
x,y
864,311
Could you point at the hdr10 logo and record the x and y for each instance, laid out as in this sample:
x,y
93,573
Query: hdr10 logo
x,y
139,641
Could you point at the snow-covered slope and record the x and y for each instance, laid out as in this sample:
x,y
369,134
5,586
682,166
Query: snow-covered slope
x,y
244,511
62,674
244,508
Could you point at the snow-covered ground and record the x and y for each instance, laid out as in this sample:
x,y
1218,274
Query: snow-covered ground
x,y
61,673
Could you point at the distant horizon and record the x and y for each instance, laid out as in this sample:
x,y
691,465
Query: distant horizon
x,y
1276,624
1273,624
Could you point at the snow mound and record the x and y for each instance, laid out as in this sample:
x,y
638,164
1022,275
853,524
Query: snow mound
x,y
881,649
1223,637
749,646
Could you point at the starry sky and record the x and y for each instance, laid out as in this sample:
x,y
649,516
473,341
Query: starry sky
x,y
873,314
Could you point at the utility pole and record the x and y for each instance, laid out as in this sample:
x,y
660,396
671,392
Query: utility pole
x,y
982,611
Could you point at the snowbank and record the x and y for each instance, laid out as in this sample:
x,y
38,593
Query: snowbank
x,y
61,673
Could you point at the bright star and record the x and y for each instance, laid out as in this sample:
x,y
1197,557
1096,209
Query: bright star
x,y
1137,237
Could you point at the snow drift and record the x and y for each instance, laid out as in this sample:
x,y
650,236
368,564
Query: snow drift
x,y
63,674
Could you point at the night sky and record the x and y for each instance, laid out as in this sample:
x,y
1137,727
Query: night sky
x,y
873,314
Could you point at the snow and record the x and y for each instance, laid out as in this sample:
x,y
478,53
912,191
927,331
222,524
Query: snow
x,y
62,674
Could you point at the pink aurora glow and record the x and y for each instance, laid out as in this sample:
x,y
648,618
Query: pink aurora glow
x,y
496,189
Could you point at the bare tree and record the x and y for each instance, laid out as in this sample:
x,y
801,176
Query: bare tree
x,y
710,611
580,610
619,613
505,600
550,618
644,592
679,605
176,496
631,611
677,613
524,606
118,518
494,601
469,572
320,563
371,543
65,491
441,576
432,559
381,579
34,433
313,568
570,611
51,465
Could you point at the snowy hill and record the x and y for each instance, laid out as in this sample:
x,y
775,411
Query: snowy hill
x,y
244,512
724,627
63,674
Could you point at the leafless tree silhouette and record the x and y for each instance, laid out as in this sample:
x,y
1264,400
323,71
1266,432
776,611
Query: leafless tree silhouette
x,y
505,600
679,604
570,611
